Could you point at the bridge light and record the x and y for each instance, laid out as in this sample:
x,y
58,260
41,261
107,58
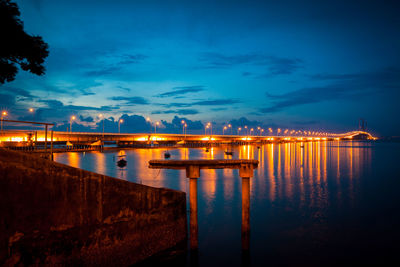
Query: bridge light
x,y
31,110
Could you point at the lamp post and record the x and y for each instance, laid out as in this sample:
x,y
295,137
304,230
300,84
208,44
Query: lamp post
x,y
210,126
149,121
70,123
223,130
183,126
119,125
101,116
3,114
251,131
205,130
185,129
230,127
155,126
246,130
239,129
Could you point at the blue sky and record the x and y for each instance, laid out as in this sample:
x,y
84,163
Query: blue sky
x,y
293,64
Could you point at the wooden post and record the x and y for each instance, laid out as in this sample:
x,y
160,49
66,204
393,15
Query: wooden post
x,y
193,172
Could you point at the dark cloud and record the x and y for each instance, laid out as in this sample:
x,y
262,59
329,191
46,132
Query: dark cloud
x,y
177,91
275,65
304,122
213,102
177,111
132,59
17,91
87,119
7,100
344,86
107,70
133,100
124,88
176,125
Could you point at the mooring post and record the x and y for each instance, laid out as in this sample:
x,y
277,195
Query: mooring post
x,y
245,172
193,172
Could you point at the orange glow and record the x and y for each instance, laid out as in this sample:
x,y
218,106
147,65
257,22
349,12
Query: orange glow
x,y
31,110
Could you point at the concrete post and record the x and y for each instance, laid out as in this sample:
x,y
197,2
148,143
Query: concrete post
x,y
193,172
245,213
245,172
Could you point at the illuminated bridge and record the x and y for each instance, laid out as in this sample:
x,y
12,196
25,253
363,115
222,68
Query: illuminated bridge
x,y
13,138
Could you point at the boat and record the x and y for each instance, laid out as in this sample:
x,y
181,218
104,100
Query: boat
x,y
122,161
167,155
230,153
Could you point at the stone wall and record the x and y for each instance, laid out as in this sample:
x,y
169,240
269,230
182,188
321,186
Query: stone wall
x,y
51,213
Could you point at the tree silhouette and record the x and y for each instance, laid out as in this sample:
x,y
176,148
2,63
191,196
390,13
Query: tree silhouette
x,y
18,47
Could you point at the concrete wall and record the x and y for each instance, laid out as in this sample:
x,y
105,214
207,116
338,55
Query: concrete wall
x,y
52,213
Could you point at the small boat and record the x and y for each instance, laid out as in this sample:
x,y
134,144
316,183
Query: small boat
x,y
230,153
167,155
122,162
207,150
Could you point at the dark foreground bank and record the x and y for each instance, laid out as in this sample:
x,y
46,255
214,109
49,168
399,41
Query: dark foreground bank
x,y
51,213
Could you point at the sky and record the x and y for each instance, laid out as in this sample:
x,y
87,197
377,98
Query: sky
x,y
319,65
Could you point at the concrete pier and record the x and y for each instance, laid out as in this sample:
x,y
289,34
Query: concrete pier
x,y
53,214
193,167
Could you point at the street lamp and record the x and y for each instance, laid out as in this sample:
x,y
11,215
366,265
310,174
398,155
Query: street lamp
x,y
70,123
205,129
149,121
246,130
230,127
3,114
223,130
155,126
183,126
239,129
119,125
101,116
259,130
185,129
210,125
251,130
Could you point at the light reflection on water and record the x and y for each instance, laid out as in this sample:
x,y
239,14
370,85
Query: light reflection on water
x,y
301,194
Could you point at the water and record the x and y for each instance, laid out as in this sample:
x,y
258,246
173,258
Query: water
x,y
321,203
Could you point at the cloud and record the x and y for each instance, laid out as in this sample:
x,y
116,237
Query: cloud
x,y
213,102
7,100
177,91
177,111
175,125
343,86
127,59
134,100
275,65
87,119
107,70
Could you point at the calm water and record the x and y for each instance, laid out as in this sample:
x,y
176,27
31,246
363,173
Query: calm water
x,y
324,203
